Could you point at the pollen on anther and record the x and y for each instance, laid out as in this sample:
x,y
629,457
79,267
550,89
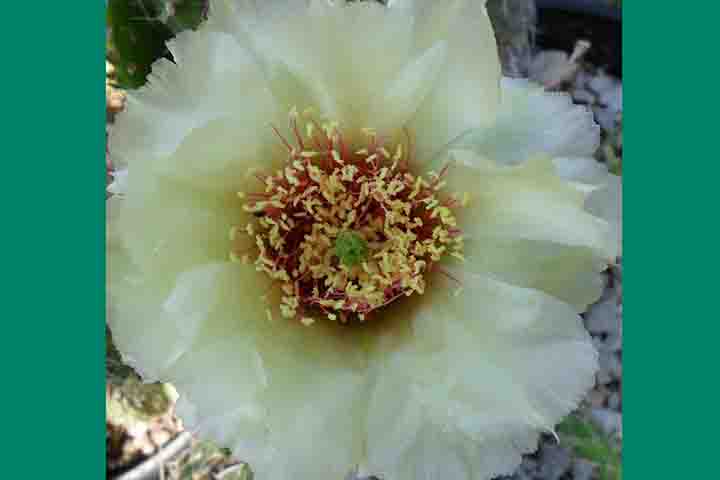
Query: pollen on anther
x,y
400,224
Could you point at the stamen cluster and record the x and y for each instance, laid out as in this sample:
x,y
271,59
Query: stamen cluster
x,y
329,189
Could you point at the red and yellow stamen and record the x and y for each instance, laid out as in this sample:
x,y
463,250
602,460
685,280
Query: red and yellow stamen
x,y
344,231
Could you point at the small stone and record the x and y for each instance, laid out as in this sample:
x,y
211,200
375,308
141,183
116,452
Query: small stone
x,y
602,82
603,376
555,461
606,118
614,401
610,367
610,422
582,79
613,342
582,469
530,464
597,397
612,98
603,317
583,96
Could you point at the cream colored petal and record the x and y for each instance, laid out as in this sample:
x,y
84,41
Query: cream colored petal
x,y
218,155
214,76
119,183
219,383
264,386
569,273
515,361
168,333
527,201
466,94
220,376
149,339
532,121
231,15
606,203
352,52
526,226
167,227
585,170
292,88
605,190
405,94
206,120
323,437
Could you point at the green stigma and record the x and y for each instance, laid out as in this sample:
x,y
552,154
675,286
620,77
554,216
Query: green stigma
x,y
350,248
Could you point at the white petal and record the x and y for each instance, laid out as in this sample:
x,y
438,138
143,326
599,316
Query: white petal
x,y
229,15
515,361
218,155
213,77
581,169
149,339
170,334
466,94
220,382
119,183
532,121
408,90
353,52
571,274
265,386
605,192
292,88
606,203
528,201
322,439
167,228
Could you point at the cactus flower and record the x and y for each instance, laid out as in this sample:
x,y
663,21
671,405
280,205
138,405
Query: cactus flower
x,y
347,241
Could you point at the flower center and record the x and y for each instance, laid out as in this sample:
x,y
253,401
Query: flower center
x,y
351,248
346,231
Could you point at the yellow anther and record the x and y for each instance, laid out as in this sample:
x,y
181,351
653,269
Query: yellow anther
x,y
336,156
398,152
458,255
308,204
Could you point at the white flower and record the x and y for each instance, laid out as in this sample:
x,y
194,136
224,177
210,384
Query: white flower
x,y
453,379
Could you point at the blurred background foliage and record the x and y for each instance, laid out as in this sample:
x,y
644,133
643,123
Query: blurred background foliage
x,y
139,29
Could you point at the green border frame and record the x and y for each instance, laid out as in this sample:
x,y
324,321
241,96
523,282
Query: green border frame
x,y
671,172
53,240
